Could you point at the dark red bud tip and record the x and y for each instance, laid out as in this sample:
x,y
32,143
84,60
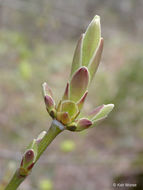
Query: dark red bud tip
x,y
82,70
29,156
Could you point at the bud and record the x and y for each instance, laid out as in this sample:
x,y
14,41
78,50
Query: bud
x,y
102,112
28,159
94,63
91,40
49,101
67,111
77,58
85,63
46,90
83,123
79,84
69,107
63,117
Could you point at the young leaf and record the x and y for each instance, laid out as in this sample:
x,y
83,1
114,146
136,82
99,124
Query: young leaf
x,y
91,40
77,56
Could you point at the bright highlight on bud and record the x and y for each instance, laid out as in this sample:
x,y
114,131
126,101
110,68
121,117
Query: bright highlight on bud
x,y
85,63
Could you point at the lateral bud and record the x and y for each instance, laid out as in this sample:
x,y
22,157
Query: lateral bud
x,y
28,159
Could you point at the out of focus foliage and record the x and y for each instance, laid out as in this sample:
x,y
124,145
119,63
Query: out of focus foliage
x,y
46,184
67,146
129,94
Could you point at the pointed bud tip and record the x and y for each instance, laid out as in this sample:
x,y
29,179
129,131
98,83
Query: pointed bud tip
x,y
96,18
46,90
102,112
111,106
83,69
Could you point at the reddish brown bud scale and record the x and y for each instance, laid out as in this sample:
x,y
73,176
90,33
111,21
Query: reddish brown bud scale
x,y
83,123
31,166
47,90
21,163
29,155
96,111
82,100
66,94
49,101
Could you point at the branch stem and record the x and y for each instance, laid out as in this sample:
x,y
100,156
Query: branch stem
x,y
54,130
15,181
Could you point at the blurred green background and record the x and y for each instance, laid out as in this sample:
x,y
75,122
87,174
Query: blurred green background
x,y
37,41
